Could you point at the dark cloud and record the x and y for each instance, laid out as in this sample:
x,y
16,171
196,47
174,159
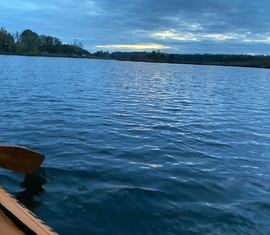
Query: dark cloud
x,y
216,26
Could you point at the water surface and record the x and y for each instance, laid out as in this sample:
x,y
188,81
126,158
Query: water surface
x,y
140,148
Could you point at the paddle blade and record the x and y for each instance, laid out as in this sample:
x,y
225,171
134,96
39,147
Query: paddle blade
x,y
19,159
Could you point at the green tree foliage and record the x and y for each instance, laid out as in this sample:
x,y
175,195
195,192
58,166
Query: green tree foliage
x,y
30,43
207,59
7,43
49,44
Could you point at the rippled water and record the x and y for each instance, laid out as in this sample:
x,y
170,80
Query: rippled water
x,y
140,148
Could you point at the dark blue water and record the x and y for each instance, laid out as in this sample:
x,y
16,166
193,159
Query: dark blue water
x,y
140,148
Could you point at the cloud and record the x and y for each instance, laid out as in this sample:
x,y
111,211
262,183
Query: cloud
x,y
26,6
221,37
92,8
134,46
171,34
191,26
199,37
15,5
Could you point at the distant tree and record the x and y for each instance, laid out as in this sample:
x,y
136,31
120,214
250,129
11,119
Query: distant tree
x,y
77,43
102,54
48,44
16,37
7,43
29,41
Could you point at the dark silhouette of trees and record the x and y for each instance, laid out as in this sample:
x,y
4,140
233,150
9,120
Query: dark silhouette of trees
x,y
7,43
30,43
207,59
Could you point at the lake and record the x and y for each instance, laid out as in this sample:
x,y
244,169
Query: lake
x,y
140,148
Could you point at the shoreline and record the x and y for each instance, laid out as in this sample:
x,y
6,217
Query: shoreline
x,y
134,60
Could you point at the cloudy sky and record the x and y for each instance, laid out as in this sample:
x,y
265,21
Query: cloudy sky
x,y
182,26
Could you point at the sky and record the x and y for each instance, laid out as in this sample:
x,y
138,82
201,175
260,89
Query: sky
x,y
174,26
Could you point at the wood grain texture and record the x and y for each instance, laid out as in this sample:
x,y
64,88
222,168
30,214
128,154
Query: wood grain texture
x,y
19,159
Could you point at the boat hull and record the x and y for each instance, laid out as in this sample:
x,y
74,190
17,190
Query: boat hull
x,y
15,219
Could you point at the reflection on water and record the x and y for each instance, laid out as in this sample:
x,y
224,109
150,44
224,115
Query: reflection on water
x,y
140,148
32,186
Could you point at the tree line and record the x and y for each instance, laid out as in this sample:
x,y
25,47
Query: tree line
x,y
30,43
261,61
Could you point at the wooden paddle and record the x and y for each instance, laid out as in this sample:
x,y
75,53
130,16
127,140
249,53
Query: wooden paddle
x,y
19,159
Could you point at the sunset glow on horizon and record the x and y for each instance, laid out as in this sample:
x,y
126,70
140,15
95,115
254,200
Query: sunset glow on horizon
x,y
134,46
173,26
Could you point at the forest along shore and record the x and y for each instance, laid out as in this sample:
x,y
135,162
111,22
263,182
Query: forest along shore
x,y
29,43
